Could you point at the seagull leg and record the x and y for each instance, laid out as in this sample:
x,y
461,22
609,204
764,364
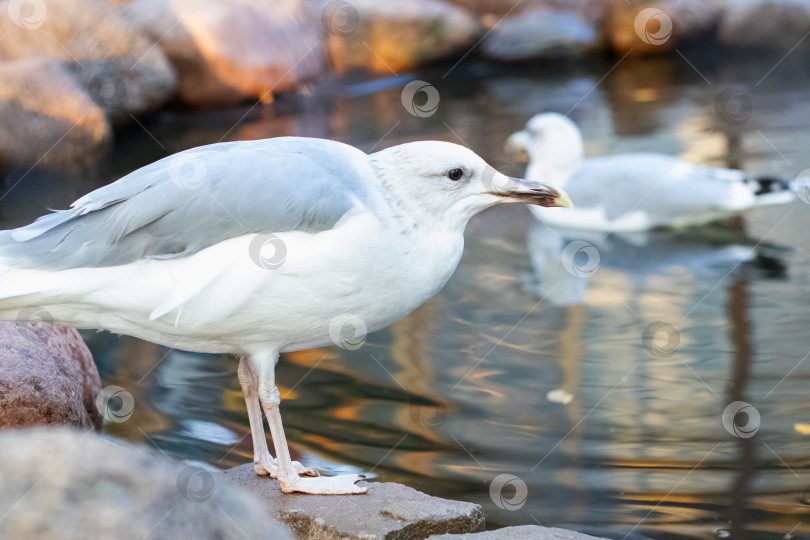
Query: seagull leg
x,y
287,473
263,462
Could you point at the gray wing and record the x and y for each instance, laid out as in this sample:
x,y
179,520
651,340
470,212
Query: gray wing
x,y
197,198
658,184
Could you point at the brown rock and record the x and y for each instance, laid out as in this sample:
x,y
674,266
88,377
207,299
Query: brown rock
x,y
658,26
525,532
117,66
47,375
229,51
386,511
62,485
770,24
395,36
47,118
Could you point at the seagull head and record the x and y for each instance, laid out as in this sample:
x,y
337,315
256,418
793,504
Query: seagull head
x,y
445,182
551,143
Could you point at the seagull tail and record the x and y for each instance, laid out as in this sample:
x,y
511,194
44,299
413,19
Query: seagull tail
x,y
24,291
770,190
18,292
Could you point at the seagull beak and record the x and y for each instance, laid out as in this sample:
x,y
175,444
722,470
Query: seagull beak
x,y
538,193
516,146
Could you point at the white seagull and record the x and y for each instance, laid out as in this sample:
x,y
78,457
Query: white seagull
x,y
633,192
258,248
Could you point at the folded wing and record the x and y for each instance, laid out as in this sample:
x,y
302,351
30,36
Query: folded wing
x,y
197,198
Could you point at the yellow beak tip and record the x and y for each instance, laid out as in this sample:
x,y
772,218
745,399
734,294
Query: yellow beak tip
x,y
564,201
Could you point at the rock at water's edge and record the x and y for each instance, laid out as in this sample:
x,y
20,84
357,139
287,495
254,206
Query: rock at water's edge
x,y
387,511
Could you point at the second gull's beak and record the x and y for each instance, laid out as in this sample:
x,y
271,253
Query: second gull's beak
x,y
516,146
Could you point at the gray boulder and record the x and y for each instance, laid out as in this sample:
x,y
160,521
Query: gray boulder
x,y
62,484
540,33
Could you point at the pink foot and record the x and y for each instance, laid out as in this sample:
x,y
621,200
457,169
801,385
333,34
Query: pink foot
x,y
324,485
270,467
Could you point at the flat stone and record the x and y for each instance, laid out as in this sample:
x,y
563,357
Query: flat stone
x,y
525,532
387,511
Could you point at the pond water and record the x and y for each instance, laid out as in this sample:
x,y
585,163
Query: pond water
x,y
593,403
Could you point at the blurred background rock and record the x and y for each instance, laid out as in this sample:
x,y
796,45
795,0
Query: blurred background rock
x,y
73,71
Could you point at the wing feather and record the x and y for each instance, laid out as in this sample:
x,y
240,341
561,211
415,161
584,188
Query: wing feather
x,y
194,199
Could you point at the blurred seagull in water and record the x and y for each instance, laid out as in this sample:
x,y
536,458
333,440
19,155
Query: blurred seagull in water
x,y
258,248
633,192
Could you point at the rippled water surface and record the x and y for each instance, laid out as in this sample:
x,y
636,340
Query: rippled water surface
x,y
603,396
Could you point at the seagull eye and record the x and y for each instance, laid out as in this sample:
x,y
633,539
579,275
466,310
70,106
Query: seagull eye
x,y
455,174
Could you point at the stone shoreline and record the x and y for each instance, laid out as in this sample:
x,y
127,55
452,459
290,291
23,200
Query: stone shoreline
x,y
60,484
387,511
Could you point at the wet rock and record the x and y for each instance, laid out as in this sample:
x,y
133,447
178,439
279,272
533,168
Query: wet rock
x,y
658,26
387,511
62,484
525,532
540,33
47,118
771,24
117,66
395,36
47,376
229,51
